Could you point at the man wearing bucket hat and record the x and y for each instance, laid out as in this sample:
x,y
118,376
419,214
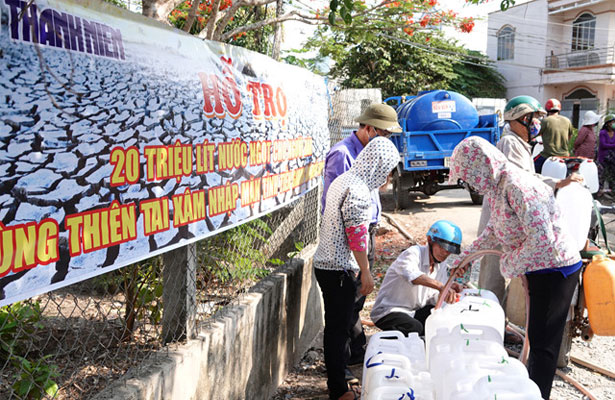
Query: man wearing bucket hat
x,y
376,120
585,144
414,281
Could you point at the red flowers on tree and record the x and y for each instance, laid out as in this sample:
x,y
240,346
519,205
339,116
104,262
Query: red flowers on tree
x,y
466,25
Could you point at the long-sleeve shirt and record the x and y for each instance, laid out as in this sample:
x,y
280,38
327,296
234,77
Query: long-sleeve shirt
x,y
607,144
349,203
585,144
524,220
397,292
339,160
519,152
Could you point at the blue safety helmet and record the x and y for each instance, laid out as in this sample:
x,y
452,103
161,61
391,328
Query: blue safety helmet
x,y
447,235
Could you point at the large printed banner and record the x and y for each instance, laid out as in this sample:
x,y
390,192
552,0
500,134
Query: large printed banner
x,y
121,138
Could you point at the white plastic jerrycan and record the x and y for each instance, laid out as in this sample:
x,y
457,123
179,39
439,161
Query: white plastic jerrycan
x,y
398,393
554,167
463,373
396,342
460,334
576,206
444,351
372,364
484,293
469,311
385,376
500,387
589,170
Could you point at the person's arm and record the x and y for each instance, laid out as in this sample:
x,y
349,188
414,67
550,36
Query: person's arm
x,y
604,141
486,240
536,220
424,280
336,164
355,213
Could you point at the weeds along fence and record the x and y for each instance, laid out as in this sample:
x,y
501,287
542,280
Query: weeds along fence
x,y
70,343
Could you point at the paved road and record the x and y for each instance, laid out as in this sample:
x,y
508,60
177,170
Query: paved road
x,y
454,205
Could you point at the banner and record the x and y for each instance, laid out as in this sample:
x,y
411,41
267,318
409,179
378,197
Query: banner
x,y
121,138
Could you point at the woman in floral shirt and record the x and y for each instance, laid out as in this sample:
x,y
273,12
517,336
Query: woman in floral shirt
x,y
526,222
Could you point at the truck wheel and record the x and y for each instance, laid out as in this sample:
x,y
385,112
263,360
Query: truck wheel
x,y
400,193
476,197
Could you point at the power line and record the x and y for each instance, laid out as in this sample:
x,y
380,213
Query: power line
x,y
448,53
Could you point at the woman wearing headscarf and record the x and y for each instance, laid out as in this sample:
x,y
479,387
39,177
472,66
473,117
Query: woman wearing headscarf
x,y
606,153
585,143
526,223
340,262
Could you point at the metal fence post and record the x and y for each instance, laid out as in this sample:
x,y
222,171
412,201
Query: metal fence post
x,y
179,294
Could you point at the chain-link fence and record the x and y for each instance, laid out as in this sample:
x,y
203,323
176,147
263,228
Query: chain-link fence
x,y
346,105
70,343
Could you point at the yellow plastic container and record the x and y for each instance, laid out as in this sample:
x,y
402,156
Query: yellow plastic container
x,y
599,288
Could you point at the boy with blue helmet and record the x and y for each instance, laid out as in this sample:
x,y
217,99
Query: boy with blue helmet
x,y
414,281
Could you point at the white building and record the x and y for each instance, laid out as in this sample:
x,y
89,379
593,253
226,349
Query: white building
x,y
563,49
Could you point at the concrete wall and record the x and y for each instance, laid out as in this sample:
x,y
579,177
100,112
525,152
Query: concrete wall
x,y
247,350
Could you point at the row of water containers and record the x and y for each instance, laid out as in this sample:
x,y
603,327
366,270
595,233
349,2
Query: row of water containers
x,y
463,357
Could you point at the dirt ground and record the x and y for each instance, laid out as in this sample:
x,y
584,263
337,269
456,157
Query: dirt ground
x,y
308,379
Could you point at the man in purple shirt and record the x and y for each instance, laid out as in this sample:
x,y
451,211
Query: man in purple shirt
x,y
376,120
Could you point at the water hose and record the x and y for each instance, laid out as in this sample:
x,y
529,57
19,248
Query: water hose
x,y
468,259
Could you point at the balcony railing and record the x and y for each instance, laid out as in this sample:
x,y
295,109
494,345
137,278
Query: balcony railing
x,y
583,58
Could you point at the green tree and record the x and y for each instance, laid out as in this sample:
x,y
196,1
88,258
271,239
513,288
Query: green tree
x,y
217,16
402,64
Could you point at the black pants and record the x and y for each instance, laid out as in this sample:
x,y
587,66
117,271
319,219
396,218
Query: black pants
x,y
357,335
550,297
399,321
338,292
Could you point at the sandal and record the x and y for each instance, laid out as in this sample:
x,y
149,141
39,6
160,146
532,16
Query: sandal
x,y
355,392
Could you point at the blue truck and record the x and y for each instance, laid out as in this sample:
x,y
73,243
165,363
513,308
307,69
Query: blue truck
x,y
433,123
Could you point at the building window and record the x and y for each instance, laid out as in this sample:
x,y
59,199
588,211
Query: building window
x,y
583,32
506,43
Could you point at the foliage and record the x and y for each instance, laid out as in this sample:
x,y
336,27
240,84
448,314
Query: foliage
x,y
404,65
298,248
118,3
235,254
218,18
18,322
142,286
480,80
573,138
36,378
257,40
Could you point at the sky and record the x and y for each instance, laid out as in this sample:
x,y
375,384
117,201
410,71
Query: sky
x,y
296,33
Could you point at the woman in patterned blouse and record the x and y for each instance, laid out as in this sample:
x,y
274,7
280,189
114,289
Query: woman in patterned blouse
x,y
526,222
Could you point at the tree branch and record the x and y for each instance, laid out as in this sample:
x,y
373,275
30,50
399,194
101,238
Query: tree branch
x,y
291,16
159,9
191,15
211,22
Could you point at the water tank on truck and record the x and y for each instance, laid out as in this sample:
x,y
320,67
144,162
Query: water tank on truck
x,y
433,123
